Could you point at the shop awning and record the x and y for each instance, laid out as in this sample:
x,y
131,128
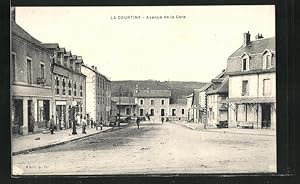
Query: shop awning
x,y
249,100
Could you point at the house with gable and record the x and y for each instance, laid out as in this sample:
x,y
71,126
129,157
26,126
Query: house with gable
x,y
252,83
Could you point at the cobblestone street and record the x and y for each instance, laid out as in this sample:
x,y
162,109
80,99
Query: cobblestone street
x,y
154,148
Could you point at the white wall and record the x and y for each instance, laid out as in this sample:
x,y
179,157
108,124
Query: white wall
x,y
90,91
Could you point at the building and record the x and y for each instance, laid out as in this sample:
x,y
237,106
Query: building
x,y
98,96
114,108
126,106
202,103
31,84
217,110
252,83
68,85
178,111
154,102
189,107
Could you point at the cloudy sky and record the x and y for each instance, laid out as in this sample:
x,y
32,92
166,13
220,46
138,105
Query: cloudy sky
x,y
194,48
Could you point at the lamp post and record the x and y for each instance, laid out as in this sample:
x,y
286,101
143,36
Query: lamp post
x,y
73,109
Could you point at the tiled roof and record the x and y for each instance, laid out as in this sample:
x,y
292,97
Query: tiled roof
x,y
51,45
123,100
152,93
205,87
256,46
223,88
19,31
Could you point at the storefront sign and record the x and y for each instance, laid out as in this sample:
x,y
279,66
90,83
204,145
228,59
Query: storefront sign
x,y
61,102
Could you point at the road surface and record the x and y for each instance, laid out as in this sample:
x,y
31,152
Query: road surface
x,y
153,149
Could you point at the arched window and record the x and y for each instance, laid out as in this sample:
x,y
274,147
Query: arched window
x,y
245,62
267,59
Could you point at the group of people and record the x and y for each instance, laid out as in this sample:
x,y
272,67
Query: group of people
x,y
84,121
138,121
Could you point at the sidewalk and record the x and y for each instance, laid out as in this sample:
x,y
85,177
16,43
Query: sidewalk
x,y
33,142
199,126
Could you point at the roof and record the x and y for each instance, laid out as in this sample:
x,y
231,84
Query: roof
x,y
94,70
223,88
191,95
152,93
123,100
51,45
205,87
19,31
256,46
252,100
252,72
181,101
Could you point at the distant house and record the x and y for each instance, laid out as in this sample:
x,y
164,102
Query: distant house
x,y
252,83
217,110
189,107
154,102
126,106
202,103
178,111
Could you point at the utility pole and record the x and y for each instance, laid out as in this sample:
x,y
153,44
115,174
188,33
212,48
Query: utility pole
x,y
119,105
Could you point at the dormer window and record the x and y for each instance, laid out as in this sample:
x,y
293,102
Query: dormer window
x,y
267,60
245,62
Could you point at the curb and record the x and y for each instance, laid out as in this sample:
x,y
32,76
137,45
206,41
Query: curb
x,y
63,142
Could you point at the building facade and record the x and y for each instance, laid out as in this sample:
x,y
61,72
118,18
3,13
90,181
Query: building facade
x,y
217,110
31,92
178,112
98,96
189,106
252,83
126,106
202,103
68,86
154,102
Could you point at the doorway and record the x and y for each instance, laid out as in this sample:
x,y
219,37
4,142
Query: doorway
x,y
17,116
162,112
266,115
30,116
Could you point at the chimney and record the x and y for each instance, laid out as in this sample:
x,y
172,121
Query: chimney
x,y
95,68
246,39
258,36
13,14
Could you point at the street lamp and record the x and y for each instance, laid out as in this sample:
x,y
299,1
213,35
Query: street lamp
x,y
73,109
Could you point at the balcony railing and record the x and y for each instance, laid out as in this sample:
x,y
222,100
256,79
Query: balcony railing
x,y
41,81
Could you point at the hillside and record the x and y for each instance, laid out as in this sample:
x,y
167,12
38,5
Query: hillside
x,y
180,89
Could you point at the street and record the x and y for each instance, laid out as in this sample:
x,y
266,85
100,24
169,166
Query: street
x,y
153,149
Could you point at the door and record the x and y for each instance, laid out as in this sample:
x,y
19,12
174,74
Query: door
x,y
162,112
141,112
266,115
46,107
17,116
30,116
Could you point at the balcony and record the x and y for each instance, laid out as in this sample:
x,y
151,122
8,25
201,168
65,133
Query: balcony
x,y
41,81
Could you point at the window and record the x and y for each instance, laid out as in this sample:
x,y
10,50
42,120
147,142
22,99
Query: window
x,y
63,87
266,87
81,90
162,112
128,111
162,102
245,88
13,60
173,112
66,61
182,111
29,71
42,70
141,112
74,88
245,63
70,88
151,102
267,60
141,102
57,85
151,112
71,64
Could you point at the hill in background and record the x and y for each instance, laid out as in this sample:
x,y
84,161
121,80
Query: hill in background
x,y
179,89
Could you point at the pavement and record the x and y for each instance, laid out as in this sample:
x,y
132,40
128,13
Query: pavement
x,y
42,140
232,130
154,148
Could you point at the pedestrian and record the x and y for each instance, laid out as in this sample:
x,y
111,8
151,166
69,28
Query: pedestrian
x,y
138,122
51,127
84,125
92,123
101,123
162,120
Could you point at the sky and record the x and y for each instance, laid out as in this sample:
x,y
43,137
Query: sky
x,y
193,46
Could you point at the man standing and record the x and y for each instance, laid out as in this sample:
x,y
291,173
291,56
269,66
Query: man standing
x,y
51,128
84,125
162,120
138,122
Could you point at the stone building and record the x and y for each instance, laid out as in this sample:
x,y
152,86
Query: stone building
x,y
154,102
31,92
68,85
178,111
126,106
252,83
98,95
